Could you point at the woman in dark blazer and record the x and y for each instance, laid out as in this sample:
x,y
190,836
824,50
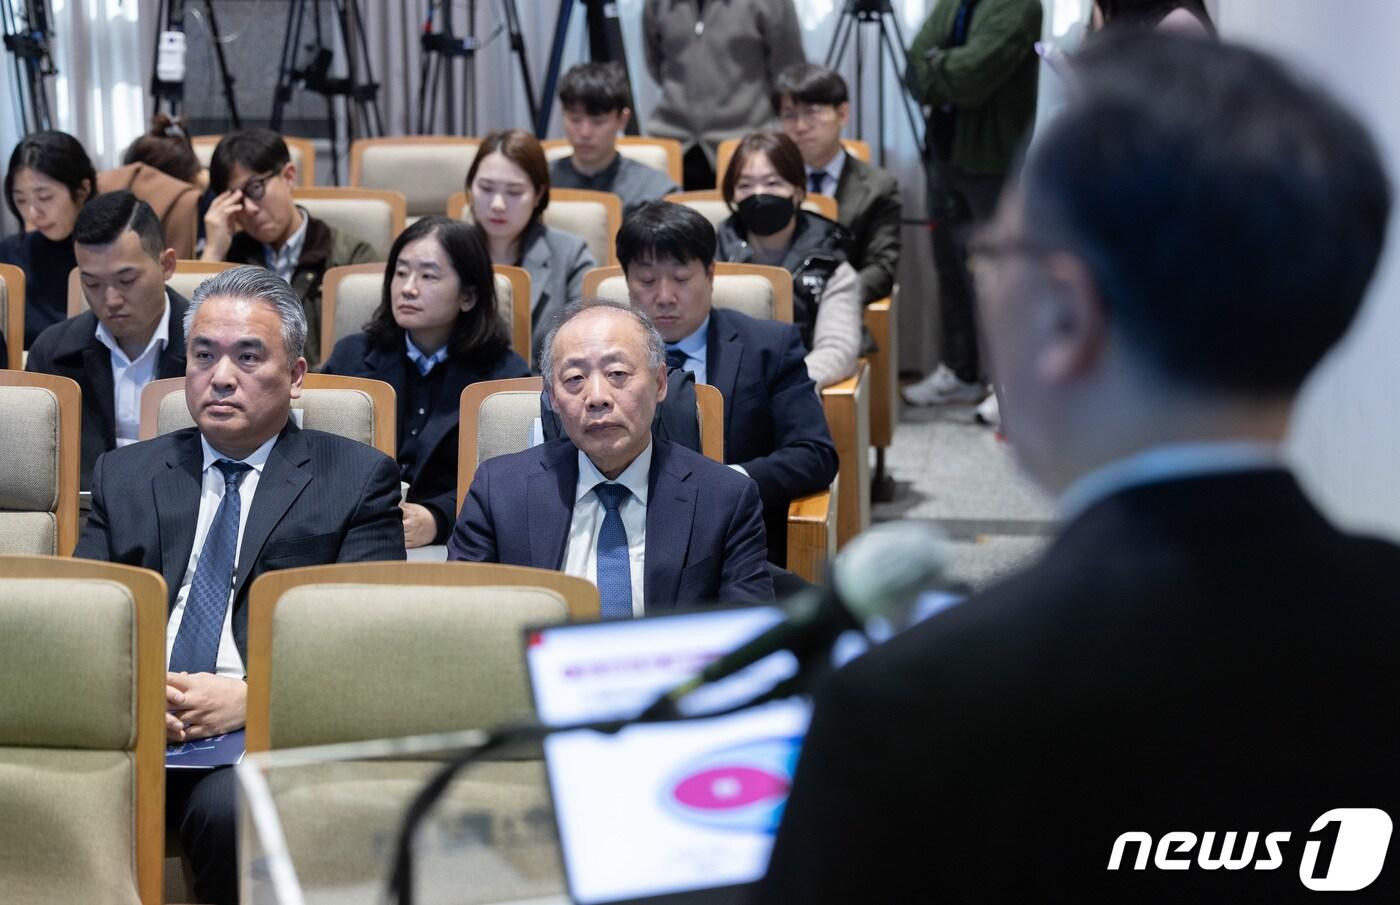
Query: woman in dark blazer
x,y
436,331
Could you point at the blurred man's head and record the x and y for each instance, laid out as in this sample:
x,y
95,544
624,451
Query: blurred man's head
x,y
123,265
667,252
246,332
597,107
1187,241
604,368
813,104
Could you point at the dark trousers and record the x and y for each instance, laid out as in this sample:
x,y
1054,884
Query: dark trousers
x,y
697,174
958,202
200,806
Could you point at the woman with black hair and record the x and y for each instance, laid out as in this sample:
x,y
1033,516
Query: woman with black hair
x,y
49,179
436,331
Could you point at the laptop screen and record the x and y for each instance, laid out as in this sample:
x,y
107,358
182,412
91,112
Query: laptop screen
x,y
678,812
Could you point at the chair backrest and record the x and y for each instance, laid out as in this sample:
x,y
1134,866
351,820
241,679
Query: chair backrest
x,y
427,169
594,217
186,279
663,154
375,215
725,152
354,407
351,294
12,312
82,785
757,290
429,647
711,204
498,417
302,151
40,443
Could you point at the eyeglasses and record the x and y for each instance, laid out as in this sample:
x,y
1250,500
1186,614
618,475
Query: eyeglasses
x,y
254,189
808,113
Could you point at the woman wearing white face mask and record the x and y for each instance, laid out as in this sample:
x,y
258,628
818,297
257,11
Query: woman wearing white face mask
x,y
764,188
508,185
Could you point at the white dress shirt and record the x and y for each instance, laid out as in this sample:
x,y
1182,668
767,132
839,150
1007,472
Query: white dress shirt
x,y
695,346
212,493
424,363
581,551
129,377
832,168
283,261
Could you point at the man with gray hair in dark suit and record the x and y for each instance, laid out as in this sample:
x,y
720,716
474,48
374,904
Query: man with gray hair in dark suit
x,y
211,507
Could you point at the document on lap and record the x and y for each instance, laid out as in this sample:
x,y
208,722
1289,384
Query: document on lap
x,y
206,753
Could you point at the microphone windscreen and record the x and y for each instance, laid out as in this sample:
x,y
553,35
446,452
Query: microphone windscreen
x,y
885,568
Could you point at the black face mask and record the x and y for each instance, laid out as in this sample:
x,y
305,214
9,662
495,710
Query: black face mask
x,y
764,215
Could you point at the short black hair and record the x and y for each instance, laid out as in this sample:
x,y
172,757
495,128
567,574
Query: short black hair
x,y
103,219
664,230
57,155
596,87
1231,216
256,150
1150,13
808,83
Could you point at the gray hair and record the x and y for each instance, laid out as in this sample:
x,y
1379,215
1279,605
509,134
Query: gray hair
x,y
263,285
651,338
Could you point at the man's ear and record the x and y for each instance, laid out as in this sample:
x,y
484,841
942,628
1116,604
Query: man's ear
x,y
167,263
664,383
1074,325
289,173
625,115
298,372
843,111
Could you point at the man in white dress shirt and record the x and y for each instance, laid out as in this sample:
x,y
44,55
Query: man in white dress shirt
x,y
653,524
132,332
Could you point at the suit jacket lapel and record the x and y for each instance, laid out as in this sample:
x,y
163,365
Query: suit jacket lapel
x,y
97,368
282,481
723,352
535,259
550,504
670,512
177,490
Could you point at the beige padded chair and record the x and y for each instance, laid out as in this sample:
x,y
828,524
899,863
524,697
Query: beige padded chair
x,y
40,438
375,215
427,169
188,275
82,785
594,217
663,154
351,294
12,312
725,152
711,204
353,407
302,151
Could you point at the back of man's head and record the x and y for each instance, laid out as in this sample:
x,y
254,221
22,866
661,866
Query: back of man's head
x,y
662,231
1230,215
597,88
256,150
103,219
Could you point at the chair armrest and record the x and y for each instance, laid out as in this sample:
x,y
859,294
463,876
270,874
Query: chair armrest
x,y
847,407
884,371
811,537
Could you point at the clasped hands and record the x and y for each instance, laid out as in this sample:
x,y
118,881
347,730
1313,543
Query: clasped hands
x,y
201,704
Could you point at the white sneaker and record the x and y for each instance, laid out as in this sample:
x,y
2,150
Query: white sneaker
x,y
989,412
943,387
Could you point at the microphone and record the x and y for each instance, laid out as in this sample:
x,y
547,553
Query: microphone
x,y
880,574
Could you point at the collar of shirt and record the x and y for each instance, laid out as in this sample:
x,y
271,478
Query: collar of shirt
x,y
256,459
1165,463
284,262
605,176
159,339
694,345
832,168
424,363
634,477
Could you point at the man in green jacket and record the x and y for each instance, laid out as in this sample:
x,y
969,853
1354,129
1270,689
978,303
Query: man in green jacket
x,y
973,64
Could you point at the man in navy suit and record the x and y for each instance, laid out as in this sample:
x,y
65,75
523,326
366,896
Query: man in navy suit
x,y
774,427
653,524
214,506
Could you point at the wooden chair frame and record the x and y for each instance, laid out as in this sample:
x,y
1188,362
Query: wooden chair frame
x,y
70,427
880,320
777,276
847,407
580,595
725,152
518,277
149,593
381,395
674,158
360,145
398,206
306,173
14,280
78,303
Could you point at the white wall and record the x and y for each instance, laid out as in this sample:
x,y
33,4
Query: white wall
x,y
1347,432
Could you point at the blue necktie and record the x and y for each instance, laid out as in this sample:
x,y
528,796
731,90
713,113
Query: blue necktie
x,y
614,565
676,359
196,647
818,179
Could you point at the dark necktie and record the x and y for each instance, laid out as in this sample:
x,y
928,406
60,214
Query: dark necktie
x,y
614,565
675,358
818,179
196,647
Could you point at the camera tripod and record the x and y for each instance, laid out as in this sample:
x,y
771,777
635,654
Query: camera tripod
x,y
27,40
170,17
442,48
880,15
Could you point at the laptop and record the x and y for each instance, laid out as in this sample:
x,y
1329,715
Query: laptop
x,y
678,813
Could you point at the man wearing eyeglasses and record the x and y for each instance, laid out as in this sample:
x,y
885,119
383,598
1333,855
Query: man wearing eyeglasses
x,y
254,220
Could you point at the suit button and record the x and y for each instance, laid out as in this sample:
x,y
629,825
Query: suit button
x,y
414,432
